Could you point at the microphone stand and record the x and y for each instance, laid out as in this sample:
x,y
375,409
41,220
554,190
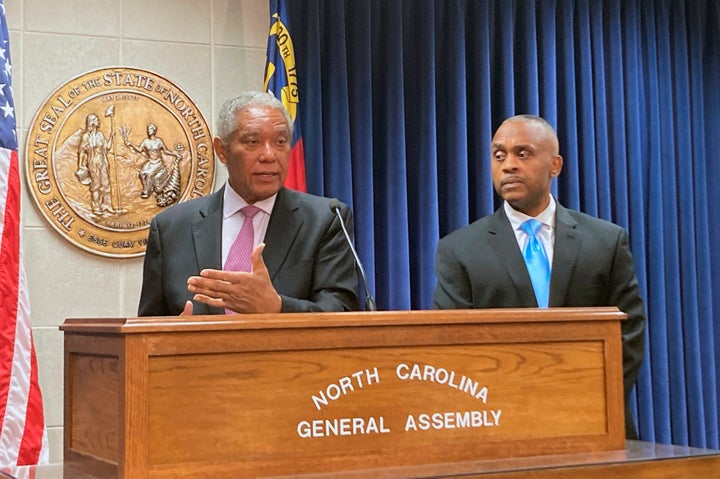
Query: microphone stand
x,y
369,301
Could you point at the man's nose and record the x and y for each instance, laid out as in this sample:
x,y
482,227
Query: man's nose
x,y
268,152
510,163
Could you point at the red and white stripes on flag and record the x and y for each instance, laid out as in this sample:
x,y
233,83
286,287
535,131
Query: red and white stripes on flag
x,y
23,439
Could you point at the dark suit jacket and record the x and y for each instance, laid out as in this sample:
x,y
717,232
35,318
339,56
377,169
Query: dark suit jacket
x,y
481,266
306,254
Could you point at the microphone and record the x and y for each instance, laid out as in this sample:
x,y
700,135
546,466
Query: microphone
x,y
369,301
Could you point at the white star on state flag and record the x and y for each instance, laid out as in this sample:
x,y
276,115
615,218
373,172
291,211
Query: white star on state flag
x,y
8,110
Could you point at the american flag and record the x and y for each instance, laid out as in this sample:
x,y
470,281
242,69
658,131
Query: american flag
x,y
23,439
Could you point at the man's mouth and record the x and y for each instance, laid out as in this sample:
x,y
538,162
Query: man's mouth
x,y
266,174
510,181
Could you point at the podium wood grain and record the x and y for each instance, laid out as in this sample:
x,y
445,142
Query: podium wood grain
x,y
231,396
640,460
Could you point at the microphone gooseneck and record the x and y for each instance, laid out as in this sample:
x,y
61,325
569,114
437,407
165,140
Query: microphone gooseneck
x,y
369,301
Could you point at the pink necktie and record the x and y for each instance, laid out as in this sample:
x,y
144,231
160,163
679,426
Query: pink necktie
x,y
239,256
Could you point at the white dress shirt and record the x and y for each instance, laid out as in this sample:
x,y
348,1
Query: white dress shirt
x,y
233,218
546,234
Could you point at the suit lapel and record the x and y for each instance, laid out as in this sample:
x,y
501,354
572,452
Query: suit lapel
x,y
565,255
284,225
207,239
207,233
504,242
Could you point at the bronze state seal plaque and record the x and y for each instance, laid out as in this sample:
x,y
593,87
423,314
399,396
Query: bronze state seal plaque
x,y
110,149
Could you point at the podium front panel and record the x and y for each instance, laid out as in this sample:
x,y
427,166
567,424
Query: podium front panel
x,y
355,392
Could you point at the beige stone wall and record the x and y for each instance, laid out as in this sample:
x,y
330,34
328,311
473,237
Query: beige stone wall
x,y
209,48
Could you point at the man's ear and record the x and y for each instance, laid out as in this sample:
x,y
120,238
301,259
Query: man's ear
x,y
220,150
557,164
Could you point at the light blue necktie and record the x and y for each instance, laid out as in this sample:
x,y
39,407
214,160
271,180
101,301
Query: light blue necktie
x,y
537,262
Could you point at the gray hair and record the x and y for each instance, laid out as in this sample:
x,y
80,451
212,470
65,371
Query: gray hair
x,y
227,117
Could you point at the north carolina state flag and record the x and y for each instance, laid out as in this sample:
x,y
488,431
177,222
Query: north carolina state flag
x,y
281,81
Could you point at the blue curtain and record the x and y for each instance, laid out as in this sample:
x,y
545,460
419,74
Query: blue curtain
x,y
399,100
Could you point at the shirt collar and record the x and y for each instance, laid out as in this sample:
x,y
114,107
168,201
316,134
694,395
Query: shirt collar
x,y
547,217
232,202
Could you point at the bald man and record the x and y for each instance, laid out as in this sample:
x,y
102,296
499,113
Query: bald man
x,y
482,265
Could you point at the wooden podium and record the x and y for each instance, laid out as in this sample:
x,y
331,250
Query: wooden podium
x,y
269,395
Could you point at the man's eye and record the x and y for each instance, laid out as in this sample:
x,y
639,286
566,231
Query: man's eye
x,y
499,156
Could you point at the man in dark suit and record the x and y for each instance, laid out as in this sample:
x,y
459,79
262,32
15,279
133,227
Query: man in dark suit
x,y
300,260
482,265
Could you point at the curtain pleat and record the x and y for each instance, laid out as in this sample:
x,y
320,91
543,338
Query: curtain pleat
x,y
635,151
420,91
361,130
568,184
708,136
399,100
452,112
